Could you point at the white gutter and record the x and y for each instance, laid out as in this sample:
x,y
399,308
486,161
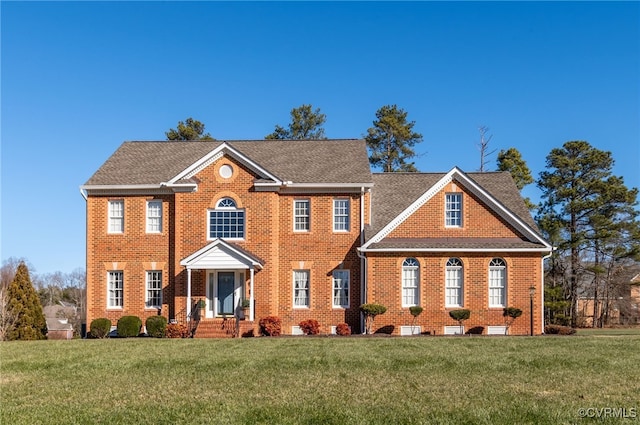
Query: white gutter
x,y
542,288
455,249
83,193
363,261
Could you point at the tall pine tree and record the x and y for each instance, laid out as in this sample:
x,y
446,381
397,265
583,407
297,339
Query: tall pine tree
x,y
24,304
306,124
391,140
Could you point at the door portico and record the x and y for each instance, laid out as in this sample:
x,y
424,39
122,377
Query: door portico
x,y
227,266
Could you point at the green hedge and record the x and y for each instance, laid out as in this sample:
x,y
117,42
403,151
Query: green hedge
x,y
100,328
156,326
129,326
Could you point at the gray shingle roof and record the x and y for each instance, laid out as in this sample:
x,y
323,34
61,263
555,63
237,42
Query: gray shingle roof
x,y
298,161
394,192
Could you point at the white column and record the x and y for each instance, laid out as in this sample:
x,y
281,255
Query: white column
x,y
251,312
188,294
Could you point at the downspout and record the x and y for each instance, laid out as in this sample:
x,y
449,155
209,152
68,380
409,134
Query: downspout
x,y
363,260
542,288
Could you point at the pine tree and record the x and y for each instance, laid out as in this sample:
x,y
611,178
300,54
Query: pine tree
x,y
190,129
24,303
306,124
391,139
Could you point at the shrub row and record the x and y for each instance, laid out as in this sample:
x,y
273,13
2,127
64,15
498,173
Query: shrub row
x,y
129,326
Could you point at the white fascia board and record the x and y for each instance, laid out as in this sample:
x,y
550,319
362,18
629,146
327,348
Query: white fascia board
x,y
119,186
329,185
142,189
542,250
187,261
217,153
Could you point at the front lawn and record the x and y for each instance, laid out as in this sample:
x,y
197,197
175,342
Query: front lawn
x,y
323,380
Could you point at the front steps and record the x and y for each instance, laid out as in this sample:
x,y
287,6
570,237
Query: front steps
x,y
224,328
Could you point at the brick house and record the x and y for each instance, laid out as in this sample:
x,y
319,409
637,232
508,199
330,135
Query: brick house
x,y
304,230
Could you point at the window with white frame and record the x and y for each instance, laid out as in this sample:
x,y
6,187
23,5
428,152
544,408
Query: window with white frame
x,y
115,289
300,288
341,288
154,289
341,215
301,215
226,221
453,210
497,283
453,283
154,216
116,216
410,279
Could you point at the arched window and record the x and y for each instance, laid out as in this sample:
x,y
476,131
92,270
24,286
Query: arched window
x,y
454,283
226,221
497,283
410,282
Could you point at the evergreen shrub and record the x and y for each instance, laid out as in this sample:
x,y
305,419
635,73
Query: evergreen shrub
x,y
100,328
129,326
156,326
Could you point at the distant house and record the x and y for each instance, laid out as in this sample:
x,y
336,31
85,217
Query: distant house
x,y
59,328
304,230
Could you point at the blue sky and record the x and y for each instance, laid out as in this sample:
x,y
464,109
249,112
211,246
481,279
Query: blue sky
x,y
79,78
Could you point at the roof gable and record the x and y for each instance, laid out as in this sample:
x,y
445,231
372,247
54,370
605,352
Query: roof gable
x,y
397,196
221,254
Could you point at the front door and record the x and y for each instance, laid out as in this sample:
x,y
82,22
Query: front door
x,y
226,300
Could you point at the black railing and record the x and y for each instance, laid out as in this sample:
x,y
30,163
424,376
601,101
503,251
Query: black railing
x,y
190,320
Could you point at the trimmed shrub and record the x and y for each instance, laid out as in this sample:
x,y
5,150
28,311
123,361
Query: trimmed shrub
x,y
343,329
270,326
156,326
177,330
415,310
129,326
559,330
370,312
460,314
310,327
100,328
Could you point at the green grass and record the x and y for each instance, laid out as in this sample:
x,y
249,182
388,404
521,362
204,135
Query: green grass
x,y
609,331
319,380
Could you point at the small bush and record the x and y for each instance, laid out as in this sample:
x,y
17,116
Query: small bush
x,y
310,327
559,330
343,329
460,314
129,326
415,310
156,326
270,326
100,328
370,312
177,330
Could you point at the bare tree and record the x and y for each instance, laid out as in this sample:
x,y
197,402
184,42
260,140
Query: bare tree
x,y
483,146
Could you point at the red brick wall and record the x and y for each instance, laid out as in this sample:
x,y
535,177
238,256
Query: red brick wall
x,y
477,220
523,271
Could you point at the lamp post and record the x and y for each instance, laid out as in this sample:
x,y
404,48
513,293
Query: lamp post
x,y
532,292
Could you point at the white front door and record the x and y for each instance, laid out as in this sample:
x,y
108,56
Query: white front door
x,y
224,292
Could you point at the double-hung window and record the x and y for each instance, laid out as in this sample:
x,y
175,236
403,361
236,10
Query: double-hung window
x,y
154,216
115,289
301,214
116,216
453,210
341,288
154,289
497,283
453,283
341,213
226,221
410,279
301,288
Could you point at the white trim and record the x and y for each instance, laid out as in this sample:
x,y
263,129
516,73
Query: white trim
x,y
410,330
348,215
454,249
473,188
223,149
191,262
308,216
496,330
453,330
149,202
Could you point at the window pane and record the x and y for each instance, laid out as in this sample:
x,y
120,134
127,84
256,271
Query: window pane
x,y
410,279
341,288
301,215
341,215
116,216
301,288
154,289
453,209
115,288
453,283
497,283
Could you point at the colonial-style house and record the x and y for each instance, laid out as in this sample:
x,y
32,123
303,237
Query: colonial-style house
x,y
304,230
